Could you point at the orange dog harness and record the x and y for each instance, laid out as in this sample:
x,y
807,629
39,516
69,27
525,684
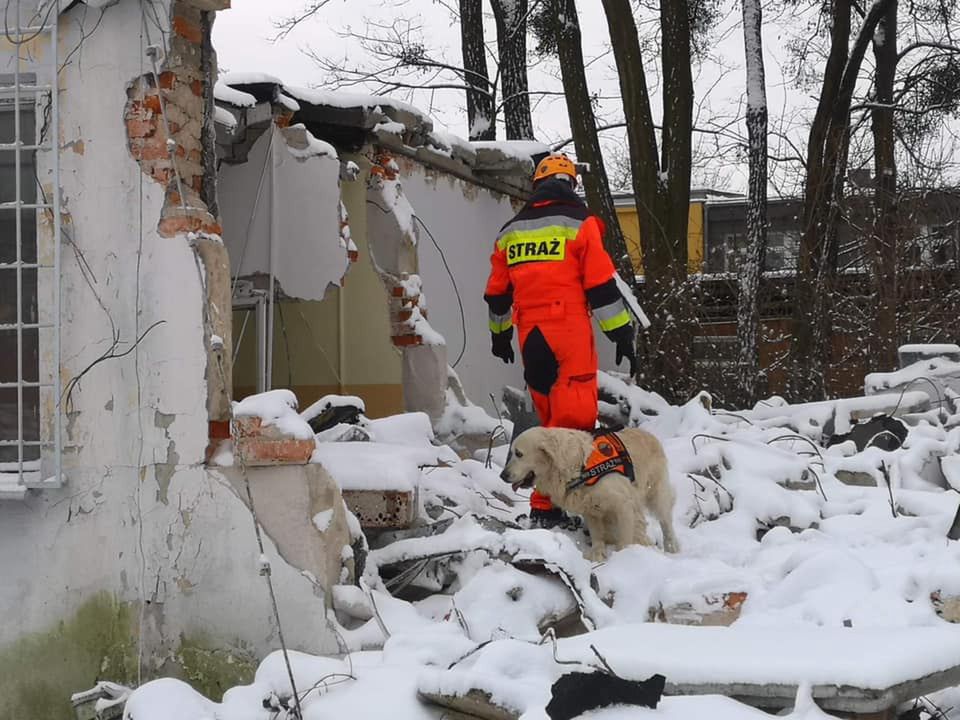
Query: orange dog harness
x,y
609,455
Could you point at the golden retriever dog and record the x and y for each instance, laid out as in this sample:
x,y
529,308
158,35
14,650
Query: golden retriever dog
x,y
614,508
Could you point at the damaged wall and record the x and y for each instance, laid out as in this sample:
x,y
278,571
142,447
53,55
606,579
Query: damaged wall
x,y
140,517
288,190
464,220
465,239
338,341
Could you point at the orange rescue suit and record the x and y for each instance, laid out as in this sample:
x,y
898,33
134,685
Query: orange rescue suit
x,y
549,273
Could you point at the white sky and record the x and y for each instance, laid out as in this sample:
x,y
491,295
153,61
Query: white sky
x,y
242,36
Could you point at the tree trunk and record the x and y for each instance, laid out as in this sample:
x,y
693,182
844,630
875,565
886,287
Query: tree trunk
x,y
661,187
670,291
748,303
884,241
481,115
583,127
827,154
511,19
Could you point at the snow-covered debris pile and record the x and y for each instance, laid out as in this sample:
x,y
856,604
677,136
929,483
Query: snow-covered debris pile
x,y
823,545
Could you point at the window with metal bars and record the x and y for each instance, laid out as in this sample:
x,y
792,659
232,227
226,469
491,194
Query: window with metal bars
x,y
19,326
30,380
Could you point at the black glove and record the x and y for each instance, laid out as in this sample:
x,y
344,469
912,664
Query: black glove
x,y
503,345
623,337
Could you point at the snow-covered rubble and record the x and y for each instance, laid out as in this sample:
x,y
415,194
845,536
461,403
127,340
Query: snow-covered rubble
x,y
821,580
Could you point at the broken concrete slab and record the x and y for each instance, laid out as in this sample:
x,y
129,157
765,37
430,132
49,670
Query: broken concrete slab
x,y
301,510
856,478
857,671
717,609
474,704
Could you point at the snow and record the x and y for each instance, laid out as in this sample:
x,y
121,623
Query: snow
x,y
288,102
875,658
931,368
224,117
521,150
378,466
314,146
390,127
833,581
248,78
277,408
449,144
931,349
322,520
336,98
331,401
238,98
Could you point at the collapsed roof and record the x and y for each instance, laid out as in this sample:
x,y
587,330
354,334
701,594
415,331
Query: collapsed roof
x,y
248,102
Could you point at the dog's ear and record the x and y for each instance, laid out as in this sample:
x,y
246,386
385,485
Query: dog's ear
x,y
567,450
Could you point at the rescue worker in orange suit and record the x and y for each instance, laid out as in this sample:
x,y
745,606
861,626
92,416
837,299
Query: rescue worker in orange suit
x,y
549,273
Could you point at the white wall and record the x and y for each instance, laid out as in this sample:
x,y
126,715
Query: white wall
x,y
465,221
307,255
139,516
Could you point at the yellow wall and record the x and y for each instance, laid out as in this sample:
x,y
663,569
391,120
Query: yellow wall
x,y
631,231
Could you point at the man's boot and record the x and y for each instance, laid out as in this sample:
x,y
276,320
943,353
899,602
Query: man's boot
x,y
547,519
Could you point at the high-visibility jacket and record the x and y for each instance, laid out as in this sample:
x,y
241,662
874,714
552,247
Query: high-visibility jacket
x,y
548,267
552,251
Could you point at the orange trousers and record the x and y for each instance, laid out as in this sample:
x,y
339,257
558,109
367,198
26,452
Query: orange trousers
x,y
560,368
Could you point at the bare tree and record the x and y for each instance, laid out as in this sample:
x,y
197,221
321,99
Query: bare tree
x,y
558,30
511,19
661,186
883,241
751,269
481,115
827,155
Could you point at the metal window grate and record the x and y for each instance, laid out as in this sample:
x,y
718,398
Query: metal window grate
x,y
30,445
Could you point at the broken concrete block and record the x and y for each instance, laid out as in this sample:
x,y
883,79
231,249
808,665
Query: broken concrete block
x,y
806,481
381,508
259,444
857,478
474,704
720,609
946,606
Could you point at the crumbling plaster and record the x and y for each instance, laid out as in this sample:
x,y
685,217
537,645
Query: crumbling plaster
x,y
294,200
140,516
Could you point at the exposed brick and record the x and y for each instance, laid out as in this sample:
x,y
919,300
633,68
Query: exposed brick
x,y
197,87
153,103
174,127
219,429
397,291
196,156
168,79
187,29
155,148
404,315
283,119
196,182
140,128
353,255
162,175
407,340
257,444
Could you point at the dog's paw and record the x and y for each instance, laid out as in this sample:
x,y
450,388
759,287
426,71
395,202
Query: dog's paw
x,y
596,554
